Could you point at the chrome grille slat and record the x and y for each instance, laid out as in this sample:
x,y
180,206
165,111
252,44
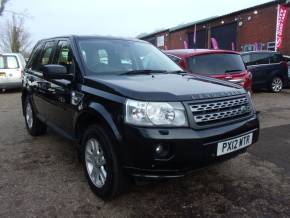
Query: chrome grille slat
x,y
220,115
214,112
218,105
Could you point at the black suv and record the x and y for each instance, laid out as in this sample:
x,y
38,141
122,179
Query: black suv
x,y
131,111
269,69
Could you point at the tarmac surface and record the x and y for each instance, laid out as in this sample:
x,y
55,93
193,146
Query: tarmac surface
x,y
41,177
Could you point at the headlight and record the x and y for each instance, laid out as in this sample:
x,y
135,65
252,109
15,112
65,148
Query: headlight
x,y
251,101
155,113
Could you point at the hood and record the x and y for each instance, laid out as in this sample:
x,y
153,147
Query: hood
x,y
163,87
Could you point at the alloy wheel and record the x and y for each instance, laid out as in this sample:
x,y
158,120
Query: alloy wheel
x,y
95,162
277,84
29,116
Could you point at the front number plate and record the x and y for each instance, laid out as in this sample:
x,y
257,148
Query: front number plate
x,y
235,144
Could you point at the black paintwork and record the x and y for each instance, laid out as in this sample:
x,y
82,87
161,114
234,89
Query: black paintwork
x,y
63,103
264,69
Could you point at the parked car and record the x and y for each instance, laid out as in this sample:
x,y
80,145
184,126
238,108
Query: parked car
x,y
288,72
268,68
220,64
132,111
11,70
287,59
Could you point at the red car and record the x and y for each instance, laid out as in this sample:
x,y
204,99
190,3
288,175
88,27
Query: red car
x,y
220,64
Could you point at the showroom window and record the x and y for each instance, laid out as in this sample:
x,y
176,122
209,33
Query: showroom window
x,y
271,46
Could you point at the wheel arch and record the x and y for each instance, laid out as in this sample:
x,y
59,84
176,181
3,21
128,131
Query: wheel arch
x,y
95,113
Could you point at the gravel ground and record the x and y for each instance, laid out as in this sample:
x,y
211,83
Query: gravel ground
x,y
41,177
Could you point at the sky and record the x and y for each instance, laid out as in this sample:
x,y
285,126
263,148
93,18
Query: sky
x,y
126,18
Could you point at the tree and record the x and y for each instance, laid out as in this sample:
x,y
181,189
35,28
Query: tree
x,y
14,37
2,5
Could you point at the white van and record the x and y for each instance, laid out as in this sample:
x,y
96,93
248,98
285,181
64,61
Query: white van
x,y
11,70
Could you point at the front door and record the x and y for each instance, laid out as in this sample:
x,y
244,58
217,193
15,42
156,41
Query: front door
x,y
63,91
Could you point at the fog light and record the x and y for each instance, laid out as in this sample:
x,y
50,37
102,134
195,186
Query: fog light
x,y
162,150
159,149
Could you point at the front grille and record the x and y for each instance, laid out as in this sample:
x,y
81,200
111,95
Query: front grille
x,y
217,111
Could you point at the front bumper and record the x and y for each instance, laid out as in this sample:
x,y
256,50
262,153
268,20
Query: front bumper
x,y
189,149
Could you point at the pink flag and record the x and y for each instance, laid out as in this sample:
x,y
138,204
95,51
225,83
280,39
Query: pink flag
x,y
257,46
281,25
214,43
185,44
233,46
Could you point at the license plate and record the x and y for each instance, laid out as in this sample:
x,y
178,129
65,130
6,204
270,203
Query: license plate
x,y
235,144
2,74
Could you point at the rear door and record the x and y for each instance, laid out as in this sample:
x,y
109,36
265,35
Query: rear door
x,y
280,67
41,87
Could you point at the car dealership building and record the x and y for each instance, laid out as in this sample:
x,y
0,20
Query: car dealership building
x,y
249,29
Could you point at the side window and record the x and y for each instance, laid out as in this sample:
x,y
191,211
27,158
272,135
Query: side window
x,y
263,59
34,57
65,56
47,53
174,58
1,62
276,58
260,58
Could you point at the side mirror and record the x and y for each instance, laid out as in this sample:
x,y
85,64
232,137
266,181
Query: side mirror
x,y
55,71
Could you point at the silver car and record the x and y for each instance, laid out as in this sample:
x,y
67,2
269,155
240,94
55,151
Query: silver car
x,y
289,70
11,70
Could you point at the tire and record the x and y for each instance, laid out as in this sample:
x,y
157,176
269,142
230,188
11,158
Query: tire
x,y
276,85
34,126
101,165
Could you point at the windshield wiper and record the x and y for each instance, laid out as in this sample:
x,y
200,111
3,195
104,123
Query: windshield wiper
x,y
181,72
138,72
230,71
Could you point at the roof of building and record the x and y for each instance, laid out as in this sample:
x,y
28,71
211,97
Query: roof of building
x,y
183,26
153,33
190,24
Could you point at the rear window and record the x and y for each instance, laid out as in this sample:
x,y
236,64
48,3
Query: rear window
x,y
8,62
1,62
12,62
214,64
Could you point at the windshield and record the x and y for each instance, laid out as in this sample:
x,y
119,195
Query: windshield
x,y
8,62
112,56
214,64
